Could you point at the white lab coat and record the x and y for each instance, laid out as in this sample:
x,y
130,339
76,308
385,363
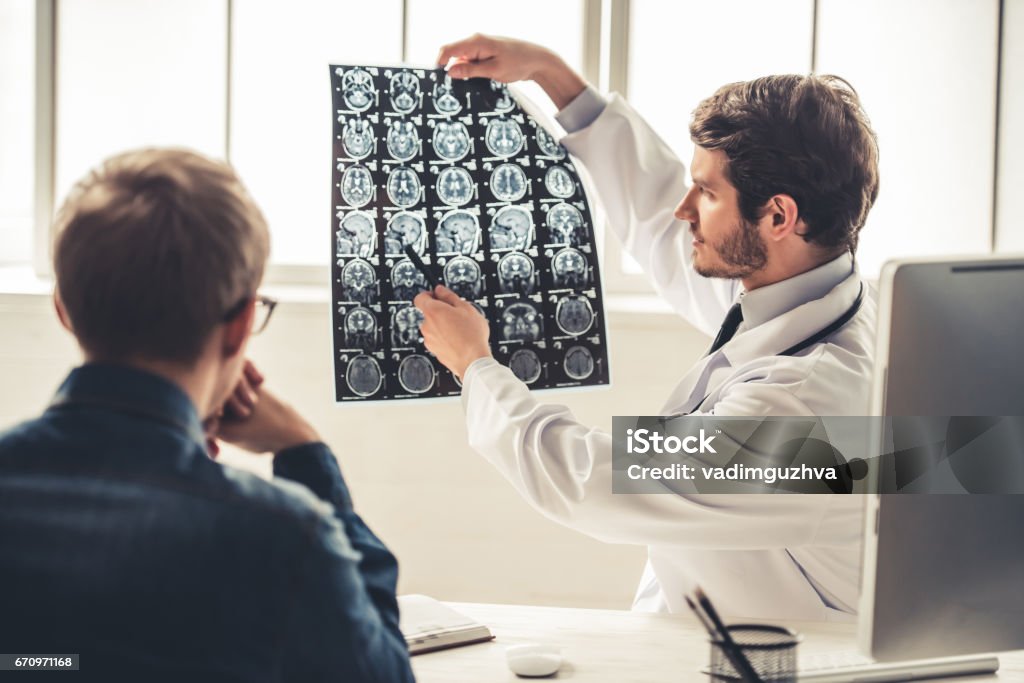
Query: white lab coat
x,y
763,556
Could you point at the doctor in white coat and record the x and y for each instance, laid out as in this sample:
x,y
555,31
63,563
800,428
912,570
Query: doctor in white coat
x,y
784,173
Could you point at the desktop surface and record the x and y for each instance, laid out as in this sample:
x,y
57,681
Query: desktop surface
x,y
618,645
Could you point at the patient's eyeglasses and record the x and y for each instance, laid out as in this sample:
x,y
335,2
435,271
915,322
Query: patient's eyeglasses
x,y
264,307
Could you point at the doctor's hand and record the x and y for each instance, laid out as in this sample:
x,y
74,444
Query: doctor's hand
x,y
453,330
508,60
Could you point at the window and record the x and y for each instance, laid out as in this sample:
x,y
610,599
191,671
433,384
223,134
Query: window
x,y
246,80
136,73
17,130
281,107
681,52
929,91
928,83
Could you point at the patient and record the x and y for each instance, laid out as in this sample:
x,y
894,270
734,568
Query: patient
x,y
120,538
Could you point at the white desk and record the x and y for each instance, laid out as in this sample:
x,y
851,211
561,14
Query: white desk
x,y
615,646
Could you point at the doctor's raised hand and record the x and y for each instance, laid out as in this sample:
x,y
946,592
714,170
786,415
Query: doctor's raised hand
x,y
453,330
508,60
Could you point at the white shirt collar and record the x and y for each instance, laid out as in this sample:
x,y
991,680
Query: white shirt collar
x,y
764,303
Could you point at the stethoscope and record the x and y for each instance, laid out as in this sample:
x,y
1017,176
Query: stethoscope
x,y
818,336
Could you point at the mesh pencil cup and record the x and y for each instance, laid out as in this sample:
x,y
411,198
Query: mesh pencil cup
x,y
771,651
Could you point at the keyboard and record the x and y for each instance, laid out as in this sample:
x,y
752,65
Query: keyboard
x,y
848,666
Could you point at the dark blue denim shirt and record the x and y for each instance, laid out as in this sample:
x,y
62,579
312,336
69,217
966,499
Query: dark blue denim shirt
x,y
122,541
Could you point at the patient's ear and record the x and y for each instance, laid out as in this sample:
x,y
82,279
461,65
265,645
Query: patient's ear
x,y
237,330
62,314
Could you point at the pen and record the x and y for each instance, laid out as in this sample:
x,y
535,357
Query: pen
x,y
732,651
420,266
708,626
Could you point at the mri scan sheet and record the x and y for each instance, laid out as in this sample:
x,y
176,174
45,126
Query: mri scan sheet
x,y
492,204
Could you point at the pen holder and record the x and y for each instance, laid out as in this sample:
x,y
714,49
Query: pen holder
x,y
771,651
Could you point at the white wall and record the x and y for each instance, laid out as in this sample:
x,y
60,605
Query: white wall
x,y
1010,200
458,529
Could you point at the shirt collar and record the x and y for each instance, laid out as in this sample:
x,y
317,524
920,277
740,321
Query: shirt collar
x,y
121,388
764,303
801,314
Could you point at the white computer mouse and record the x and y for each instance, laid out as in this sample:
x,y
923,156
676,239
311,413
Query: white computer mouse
x,y
533,660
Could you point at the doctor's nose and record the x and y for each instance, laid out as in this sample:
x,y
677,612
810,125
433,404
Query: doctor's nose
x,y
686,211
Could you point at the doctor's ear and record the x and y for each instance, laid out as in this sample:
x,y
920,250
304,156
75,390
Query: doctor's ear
x,y
784,216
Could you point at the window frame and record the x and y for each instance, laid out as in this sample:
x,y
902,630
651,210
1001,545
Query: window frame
x,y
45,136
614,77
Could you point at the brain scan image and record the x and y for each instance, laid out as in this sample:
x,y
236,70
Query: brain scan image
x,y
462,175
455,186
451,140
405,229
363,376
525,364
462,275
559,183
521,322
458,232
403,140
405,326
357,186
508,182
445,101
406,281
504,103
548,145
358,90
574,315
565,224
504,137
578,363
405,91
357,236
569,268
361,330
359,281
357,138
515,274
512,228
404,187
416,374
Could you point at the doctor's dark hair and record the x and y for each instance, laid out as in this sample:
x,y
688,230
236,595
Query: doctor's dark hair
x,y
154,247
805,136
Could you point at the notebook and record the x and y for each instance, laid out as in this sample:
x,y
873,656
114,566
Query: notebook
x,y
429,625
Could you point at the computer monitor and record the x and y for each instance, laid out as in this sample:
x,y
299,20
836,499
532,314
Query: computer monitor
x,y
944,574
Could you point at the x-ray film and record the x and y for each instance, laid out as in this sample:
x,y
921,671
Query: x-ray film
x,y
459,173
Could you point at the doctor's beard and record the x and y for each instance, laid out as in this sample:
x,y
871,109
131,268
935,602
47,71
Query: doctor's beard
x,y
741,253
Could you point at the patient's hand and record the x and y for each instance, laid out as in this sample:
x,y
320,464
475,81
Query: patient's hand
x,y
508,60
242,400
452,329
257,420
272,426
